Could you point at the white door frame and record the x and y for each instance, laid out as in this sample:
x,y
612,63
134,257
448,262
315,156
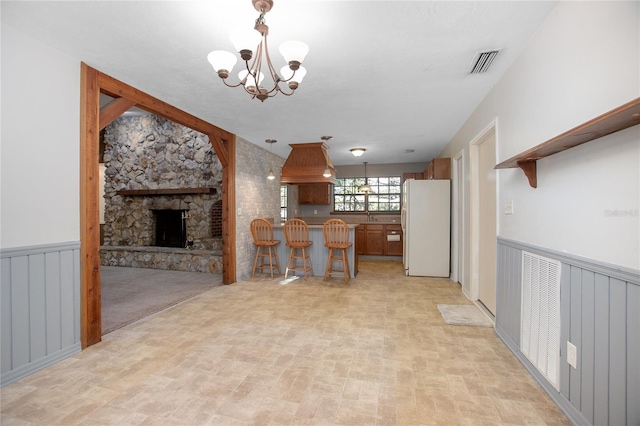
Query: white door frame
x,y
457,228
474,221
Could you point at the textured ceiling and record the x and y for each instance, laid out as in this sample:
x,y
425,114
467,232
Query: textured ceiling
x,y
388,76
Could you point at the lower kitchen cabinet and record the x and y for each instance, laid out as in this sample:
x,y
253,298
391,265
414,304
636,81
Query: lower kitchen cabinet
x,y
361,239
375,239
393,232
372,240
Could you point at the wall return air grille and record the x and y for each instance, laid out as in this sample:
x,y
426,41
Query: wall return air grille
x,y
540,321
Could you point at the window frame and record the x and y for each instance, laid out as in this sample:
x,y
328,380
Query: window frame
x,y
363,199
284,198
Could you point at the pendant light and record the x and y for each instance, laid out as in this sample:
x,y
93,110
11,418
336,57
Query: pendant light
x,y
271,176
365,188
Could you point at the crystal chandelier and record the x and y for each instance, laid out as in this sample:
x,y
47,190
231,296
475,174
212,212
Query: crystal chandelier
x,y
246,42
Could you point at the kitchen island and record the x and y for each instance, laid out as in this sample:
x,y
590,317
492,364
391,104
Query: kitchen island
x,y
318,252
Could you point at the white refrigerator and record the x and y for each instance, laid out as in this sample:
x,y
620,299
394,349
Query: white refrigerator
x,y
426,206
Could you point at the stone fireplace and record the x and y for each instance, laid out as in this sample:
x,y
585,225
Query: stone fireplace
x,y
171,228
163,185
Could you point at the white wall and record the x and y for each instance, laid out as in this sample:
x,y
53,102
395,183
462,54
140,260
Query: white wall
x,y
582,62
39,143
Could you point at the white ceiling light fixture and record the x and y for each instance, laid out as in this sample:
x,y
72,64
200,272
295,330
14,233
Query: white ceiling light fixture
x,y
248,41
357,152
271,176
365,189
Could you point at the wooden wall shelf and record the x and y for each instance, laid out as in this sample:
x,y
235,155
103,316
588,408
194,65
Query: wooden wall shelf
x,y
166,191
620,118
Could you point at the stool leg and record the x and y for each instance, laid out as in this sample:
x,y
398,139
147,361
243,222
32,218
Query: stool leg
x,y
275,252
255,262
270,262
345,265
286,271
306,250
329,267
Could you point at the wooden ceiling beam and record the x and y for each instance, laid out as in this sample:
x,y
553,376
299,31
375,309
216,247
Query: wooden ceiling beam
x,y
117,89
113,110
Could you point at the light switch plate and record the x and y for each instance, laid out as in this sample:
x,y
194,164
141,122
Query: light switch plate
x,y
572,355
508,208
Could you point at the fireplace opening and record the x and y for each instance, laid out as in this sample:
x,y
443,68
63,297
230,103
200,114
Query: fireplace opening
x,y
171,228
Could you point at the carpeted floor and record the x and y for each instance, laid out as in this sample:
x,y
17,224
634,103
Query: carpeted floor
x,y
129,294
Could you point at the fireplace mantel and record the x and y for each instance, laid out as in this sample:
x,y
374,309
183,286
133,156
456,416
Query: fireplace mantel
x,y
166,191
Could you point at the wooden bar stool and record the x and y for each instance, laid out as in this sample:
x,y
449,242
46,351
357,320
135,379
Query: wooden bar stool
x,y
296,232
262,232
336,238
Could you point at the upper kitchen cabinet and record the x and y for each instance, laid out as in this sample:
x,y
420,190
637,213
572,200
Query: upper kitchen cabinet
x,y
438,168
416,176
314,193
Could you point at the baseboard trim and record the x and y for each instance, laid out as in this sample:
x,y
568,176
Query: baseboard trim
x,y
563,404
49,360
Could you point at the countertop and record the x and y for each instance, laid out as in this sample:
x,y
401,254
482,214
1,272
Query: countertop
x,y
350,225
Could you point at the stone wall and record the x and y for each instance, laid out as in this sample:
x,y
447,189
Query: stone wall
x,y
148,153
256,196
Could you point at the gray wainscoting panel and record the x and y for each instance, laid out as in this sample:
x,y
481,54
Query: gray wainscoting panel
x,y
40,292
510,274
317,252
600,315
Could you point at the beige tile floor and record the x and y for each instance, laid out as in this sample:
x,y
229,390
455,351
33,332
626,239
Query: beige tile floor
x,y
373,352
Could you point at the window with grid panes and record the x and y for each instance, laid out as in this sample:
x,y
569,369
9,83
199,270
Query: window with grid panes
x,y
283,203
385,195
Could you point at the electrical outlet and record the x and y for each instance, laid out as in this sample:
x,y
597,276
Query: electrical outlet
x,y
315,212
239,212
572,355
508,208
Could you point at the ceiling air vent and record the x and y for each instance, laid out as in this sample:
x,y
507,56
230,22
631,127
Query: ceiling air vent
x,y
482,61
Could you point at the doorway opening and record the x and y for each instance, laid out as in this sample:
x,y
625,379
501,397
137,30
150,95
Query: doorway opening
x,y
457,223
93,118
484,218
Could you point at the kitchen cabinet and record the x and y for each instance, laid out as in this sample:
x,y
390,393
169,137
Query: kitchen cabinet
x,y
393,248
375,239
372,239
314,193
438,168
361,239
416,176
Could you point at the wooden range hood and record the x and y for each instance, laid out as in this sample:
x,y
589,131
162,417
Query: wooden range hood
x,y
306,164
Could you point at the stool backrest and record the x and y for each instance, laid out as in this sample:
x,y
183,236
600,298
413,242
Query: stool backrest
x,y
261,230
336,231
296,231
